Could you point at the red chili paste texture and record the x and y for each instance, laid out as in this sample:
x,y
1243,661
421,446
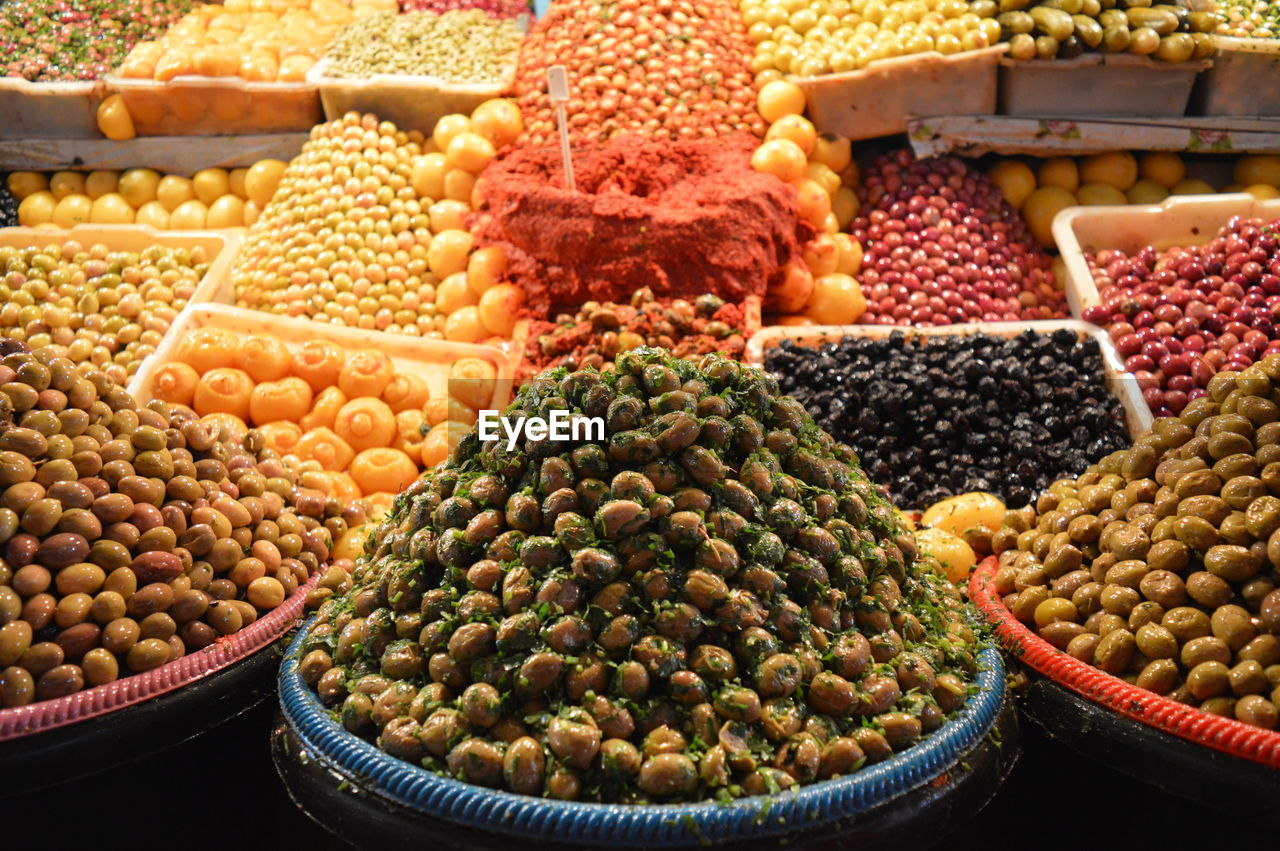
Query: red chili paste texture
x,y
682,218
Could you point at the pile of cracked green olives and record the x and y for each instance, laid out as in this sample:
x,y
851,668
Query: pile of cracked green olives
x,y
130,536
1161,563
712,602
1065,29
95,304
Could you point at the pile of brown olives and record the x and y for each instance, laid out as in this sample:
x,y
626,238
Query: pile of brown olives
x,y
130,536
1160,564
711,602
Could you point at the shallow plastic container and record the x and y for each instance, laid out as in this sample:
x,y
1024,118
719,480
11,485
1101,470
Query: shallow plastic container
x,y
880,99
429,359
1243,79
1121,384
221,245
50,110
410,102
1179,220
215,106
1096,84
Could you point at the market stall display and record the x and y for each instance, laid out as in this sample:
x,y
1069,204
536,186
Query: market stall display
x,y
392,66
55,53
234,67
813,39
213,198
670,69
355,421
598,333
1131,58
1178,308
386,245
1042,189
274,341
494,8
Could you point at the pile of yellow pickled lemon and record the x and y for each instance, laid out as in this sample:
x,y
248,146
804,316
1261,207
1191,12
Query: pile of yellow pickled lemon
x,y
211,198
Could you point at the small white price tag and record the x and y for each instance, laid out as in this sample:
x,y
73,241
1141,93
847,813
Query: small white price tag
x,y
558,88
558,83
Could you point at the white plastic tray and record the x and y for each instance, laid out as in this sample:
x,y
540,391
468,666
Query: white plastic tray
x,y
430,359
1121,384
880,99
221,246
1179,220
1244,79
67,110
1096,84
215,106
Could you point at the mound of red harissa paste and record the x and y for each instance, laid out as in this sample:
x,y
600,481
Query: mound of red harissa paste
x,y
682,218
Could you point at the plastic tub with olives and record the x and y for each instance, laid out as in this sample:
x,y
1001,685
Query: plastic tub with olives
x,y
1161,563
104,294
712,601
130,536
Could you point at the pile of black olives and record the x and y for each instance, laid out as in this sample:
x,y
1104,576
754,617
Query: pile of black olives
x,y
130,536
1161,564
935,416
711,602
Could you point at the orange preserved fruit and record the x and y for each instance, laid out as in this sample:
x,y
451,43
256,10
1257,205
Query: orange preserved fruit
x,y
286,399
224,390
437,410
281,436
365,423
406,391
325,448
461,414
318,363
344,487
226,426
367,372
379,503
264,357
324,409
208,348
175,383
435,448
411,427
471,382
383,469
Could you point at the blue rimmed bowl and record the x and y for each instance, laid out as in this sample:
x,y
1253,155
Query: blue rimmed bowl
x,y
360,792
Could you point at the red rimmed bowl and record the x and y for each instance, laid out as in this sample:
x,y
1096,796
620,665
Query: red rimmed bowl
x,y
53,741
1218,761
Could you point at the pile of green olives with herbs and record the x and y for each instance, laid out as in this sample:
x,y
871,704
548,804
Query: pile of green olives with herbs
x,y
131,536
712,602
1065,29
